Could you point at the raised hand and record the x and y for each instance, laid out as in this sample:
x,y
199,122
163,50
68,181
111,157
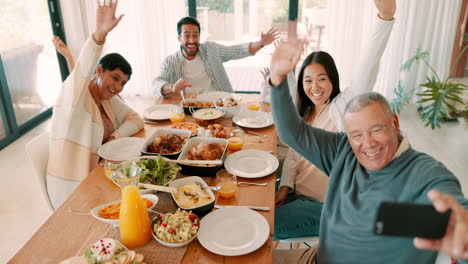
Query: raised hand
x,y
387,8
63,49
180,85
269,37
455,241
284,60
105,19
265,73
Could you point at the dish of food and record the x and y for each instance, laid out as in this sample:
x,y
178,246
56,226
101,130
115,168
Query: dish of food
x,y
199,210
207,116
219,131
166,142
226,102
195,149
154,169
186,126
199,104
191,105
169,144
176,229
192,195
107,250
112,206
206,151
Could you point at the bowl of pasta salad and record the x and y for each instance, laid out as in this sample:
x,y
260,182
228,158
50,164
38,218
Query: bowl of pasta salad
x,y
175,229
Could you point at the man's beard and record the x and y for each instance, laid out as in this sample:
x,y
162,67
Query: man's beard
x,y
187,52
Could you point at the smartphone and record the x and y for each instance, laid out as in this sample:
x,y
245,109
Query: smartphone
x,y
410,220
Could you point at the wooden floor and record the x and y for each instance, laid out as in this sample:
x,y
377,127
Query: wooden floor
x,y
23,209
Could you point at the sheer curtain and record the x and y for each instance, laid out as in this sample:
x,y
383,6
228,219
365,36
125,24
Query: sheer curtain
x,y
145,36
427,24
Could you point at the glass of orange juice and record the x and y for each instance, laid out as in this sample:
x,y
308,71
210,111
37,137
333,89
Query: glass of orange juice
x,y
177,115
134,221
235,143
254,106
227,184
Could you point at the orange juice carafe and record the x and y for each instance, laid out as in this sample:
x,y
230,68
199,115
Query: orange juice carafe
x,y
134,221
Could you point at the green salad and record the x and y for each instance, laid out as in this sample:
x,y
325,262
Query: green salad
x,y
157,171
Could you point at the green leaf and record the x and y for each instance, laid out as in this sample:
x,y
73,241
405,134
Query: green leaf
x,y
420,55
402,97
439,98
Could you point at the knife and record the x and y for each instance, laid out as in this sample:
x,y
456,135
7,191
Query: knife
x,y
261,208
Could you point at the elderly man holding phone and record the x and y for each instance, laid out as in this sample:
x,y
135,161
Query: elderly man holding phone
x,y
369,164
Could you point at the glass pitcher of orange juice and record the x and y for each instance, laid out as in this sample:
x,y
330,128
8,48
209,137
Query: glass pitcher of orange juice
x,y
134,221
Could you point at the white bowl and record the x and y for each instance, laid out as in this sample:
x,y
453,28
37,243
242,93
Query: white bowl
x,y
229,111
172,244
115,222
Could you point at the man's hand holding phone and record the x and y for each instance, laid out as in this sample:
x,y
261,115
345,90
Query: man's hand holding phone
x,y
455,241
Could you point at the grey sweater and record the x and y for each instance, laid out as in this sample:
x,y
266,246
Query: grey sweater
x,y
354,193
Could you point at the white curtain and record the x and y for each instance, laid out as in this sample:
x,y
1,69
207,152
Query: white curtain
x,y
145,36
427,24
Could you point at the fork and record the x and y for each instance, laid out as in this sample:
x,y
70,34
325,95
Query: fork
x,y
255,133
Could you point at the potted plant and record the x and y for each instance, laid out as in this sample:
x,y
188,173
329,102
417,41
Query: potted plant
x,y
437,97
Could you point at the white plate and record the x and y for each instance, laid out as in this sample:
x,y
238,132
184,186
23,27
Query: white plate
x,y
253,119
160,112
115,222
233,231
121,149
251,163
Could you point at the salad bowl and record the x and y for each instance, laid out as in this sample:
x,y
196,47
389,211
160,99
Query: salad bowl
x,y
175,226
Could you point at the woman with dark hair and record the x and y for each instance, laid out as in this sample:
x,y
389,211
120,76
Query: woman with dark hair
x,y
87,112
321,103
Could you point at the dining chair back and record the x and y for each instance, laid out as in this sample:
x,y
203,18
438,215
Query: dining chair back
x,y
37,151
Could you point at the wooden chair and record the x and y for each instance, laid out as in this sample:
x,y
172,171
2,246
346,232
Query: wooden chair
x,y
37,151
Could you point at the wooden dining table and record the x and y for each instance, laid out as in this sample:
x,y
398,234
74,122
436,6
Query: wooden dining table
x,y
66,234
